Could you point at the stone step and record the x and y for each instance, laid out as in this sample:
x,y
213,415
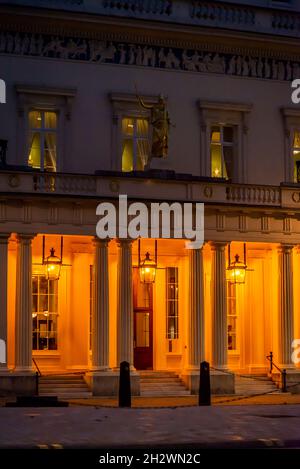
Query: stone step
x,y
165,393
62,384
53,389
69,395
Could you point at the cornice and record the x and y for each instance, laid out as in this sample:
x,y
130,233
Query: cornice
x,y
148,32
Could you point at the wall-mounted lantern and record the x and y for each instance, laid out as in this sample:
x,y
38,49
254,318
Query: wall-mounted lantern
x,y
237,269
147,266
53,263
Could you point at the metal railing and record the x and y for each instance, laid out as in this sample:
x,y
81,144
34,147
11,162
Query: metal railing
x,y
37,375
281,371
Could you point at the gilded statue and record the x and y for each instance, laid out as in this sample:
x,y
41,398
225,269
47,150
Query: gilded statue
x,y
160,126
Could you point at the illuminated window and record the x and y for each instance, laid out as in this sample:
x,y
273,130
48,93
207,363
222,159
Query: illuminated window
x,y
172,303
135,144
42,142
231,316
296,155
221,150
44,313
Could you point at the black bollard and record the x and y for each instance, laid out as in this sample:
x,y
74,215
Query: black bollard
x,y
124,385
204,385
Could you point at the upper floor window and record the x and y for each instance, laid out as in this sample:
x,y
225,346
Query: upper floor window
x,y
221,148
135,143
296,154
223,138
42,148
131,132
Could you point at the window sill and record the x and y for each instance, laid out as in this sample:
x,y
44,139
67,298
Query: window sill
x,y
173,354
46,353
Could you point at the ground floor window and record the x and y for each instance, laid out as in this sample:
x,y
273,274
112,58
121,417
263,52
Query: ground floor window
x,y
91,305
44,313
232,316
172,303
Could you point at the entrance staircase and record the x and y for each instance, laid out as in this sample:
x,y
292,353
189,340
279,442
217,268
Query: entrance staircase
x,y
161,384
68,386
255,384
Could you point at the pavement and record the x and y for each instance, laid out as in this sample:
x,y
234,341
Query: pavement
x,y
243,426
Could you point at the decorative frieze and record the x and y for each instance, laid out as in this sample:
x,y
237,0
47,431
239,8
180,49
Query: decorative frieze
x,y
171,58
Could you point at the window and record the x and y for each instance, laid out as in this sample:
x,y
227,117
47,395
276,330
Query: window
x,y
231,316
221,148
131,131
44,130
135,143
223,139
44,313
296,155
42,140
172,303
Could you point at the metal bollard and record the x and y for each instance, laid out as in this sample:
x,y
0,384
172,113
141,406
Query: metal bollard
x,y
204,385
284,389
124,385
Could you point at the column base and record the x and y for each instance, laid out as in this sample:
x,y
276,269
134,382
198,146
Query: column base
x,y
17,383
106,383
292,377
220,383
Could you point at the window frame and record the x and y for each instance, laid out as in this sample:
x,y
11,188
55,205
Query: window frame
x,y
291,123
48,350
175,300
42,131
44,99
135,137
235,115
126,105
223,144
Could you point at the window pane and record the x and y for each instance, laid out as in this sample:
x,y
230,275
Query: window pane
x,y
127,156
142,154
172,303
127,126
50,152
50,120
215,134
43,285
34,144
228,161
142,324
297,139
172,275
216,160
228,134
35,119
142,127
43,303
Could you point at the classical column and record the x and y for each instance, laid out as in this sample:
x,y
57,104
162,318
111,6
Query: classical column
x,y
218,301
286,305
23,319
3,298
125,308
196,326
100,311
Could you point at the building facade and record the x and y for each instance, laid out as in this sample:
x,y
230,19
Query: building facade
x,y
73,133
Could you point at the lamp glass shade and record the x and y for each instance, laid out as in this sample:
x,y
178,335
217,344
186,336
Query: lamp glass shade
x,y
147,270
52,266
237,271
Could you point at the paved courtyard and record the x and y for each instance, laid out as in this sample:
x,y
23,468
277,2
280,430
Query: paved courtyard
x,y
99,427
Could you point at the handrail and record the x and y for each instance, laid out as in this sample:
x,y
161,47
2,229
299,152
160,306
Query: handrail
x,y
281,371
36,365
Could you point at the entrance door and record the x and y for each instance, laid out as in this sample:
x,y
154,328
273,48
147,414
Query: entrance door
x,y
143,323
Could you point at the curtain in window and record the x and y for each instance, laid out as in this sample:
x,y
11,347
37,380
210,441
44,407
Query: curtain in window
x,y
50,152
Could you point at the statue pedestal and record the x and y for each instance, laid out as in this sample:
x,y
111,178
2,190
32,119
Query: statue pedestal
x,y
156,164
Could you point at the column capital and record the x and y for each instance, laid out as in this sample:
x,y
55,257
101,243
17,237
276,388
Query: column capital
x,y
102,242
25,238
122,242
286,247
218,245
